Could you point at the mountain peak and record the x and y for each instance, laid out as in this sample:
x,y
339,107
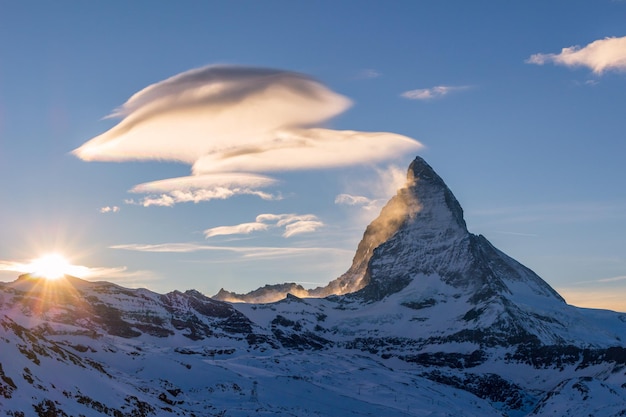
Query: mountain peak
x,y
433,240
421,235
424,199
421,175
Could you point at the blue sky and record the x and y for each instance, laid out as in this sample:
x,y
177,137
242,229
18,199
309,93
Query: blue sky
x,y
528,135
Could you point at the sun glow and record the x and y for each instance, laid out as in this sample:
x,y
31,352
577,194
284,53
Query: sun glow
x,y
52,266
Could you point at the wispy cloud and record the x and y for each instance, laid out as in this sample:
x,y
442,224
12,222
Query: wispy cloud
x,y
109,209
603,280
608,54
613,279
352,200
232,120
202,188
368,73
293,224
433,92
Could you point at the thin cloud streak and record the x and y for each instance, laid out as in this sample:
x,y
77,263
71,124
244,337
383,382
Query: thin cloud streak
x,y
603,280
233,121
246,252
368,74
433,92
608,54
613,279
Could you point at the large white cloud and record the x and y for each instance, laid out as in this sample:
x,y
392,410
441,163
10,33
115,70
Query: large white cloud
x,y
599,56
211,109
226,120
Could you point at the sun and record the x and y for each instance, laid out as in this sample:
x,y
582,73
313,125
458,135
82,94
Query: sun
x,y
52,266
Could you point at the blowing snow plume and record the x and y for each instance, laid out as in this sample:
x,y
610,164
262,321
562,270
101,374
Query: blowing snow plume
x,y
237,120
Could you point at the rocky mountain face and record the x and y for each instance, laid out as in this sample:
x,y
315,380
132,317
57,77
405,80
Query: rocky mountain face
x,y
429,320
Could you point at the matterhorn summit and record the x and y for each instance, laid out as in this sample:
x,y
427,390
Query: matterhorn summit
x,y
429,319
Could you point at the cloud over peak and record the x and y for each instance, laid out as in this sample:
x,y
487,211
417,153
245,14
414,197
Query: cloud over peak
x,y
608,54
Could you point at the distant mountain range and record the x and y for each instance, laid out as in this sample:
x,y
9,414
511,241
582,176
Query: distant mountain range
x,y
430,320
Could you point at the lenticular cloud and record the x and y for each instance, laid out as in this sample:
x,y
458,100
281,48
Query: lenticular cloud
x,y
232,119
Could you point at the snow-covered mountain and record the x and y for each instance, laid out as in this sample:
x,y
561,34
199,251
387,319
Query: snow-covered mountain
x,y
430,320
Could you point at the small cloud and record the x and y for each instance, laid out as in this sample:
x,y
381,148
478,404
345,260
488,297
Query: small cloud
x,y
240,229
110,209
294,224
301,226
352,200
366,203
608,54
368,73
433,92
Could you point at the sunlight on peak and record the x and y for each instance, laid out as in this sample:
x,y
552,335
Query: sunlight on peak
x,y
52,266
